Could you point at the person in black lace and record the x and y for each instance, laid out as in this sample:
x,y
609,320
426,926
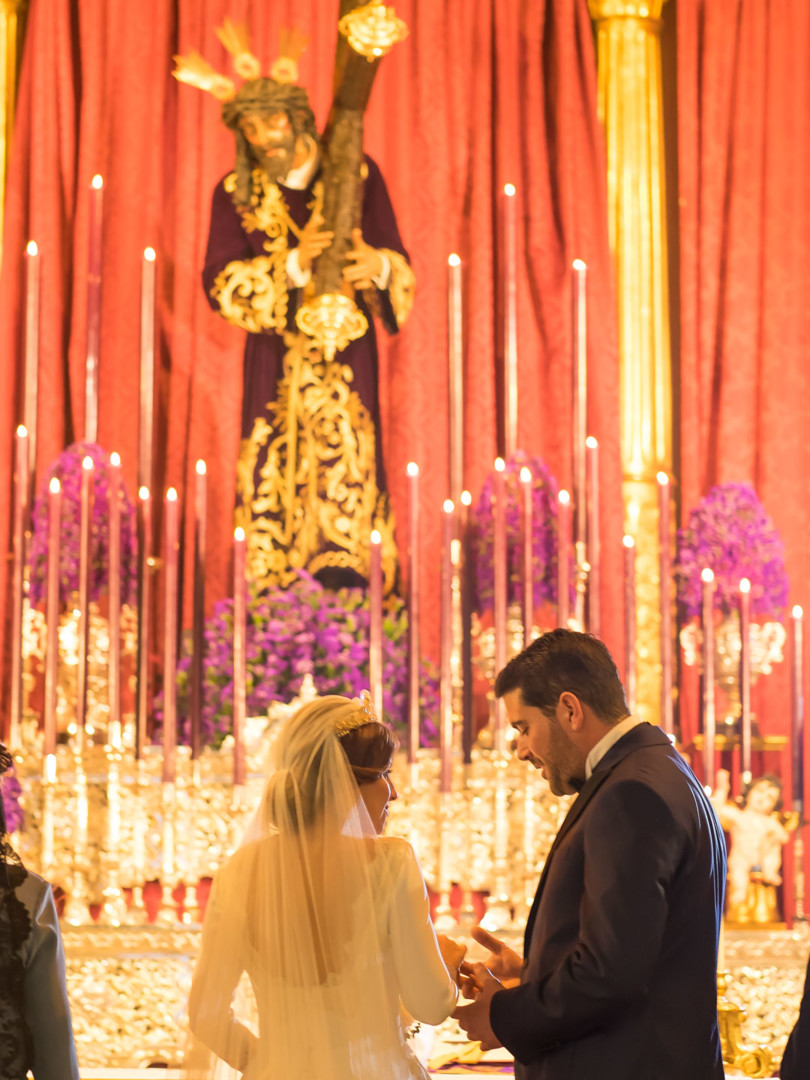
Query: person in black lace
x,y
35,1029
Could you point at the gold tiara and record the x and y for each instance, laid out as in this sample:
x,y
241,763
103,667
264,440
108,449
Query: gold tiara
x,y
363,715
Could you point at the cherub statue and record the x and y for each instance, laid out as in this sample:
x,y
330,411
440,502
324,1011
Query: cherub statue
x,y
758,833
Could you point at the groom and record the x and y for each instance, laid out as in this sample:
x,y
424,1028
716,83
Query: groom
x,y
619,975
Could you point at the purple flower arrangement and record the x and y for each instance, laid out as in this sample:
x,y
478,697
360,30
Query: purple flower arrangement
x,y
304,629
68,469
544,535
10,792
730,533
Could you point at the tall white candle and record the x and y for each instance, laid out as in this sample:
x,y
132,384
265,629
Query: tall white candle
x,y
33,275
144,618
455,375
146,413
563,556
500,570
665,610
630,665
745,679
594,551
52,607
198,614
114,680
709,718
467,605
528,569
170,557
510,322
239,657
21,487
797,710
85,569
446,649
375,622
580,408
413,611
93,311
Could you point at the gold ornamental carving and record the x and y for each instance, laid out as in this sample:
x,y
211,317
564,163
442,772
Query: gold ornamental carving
x,y
373,30
332,320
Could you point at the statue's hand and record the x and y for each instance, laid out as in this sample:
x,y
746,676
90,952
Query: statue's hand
x,y
365,263
312,242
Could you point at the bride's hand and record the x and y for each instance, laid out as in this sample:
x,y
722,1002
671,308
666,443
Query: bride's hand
x,y
452,954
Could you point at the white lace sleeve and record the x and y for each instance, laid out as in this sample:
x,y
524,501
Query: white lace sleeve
x,y
426,988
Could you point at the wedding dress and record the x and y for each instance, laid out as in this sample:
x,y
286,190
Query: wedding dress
x,y
329,922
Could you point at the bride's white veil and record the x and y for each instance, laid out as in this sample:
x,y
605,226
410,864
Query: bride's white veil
x,y
298,908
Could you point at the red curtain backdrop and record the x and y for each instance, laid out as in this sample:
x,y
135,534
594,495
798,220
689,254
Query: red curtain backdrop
x,y
744,160
481,93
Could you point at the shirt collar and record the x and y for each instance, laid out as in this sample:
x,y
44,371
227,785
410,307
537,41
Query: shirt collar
x,y
298,179
616,732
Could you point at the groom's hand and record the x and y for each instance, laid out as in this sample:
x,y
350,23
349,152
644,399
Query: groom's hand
x,y
503,962
474,1018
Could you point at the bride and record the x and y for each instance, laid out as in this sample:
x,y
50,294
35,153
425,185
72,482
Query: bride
x,y
328,918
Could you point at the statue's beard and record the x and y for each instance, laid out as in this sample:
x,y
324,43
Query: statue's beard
x,y
278,159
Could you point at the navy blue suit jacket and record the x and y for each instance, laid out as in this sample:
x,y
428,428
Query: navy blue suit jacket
x,y
620,953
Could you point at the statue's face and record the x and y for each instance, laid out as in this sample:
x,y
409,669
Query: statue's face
x,y
763,798
273,141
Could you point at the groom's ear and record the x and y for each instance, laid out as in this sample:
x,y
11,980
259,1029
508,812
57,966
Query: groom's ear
x,y
569,712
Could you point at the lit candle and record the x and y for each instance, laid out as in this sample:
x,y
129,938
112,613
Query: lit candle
x,y
665,578
709,722
146,414
563,556
239,657
375,622
745,679
467,604
630,670
171,533
21,460
797,699
33,261
499,599
456,375
580,413
446,650
198,614
93,311
510,396
85,534
528,569
594,554
114,683
144,617
52,606
413,611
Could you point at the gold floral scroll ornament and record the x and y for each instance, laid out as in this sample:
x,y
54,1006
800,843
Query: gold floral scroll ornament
x,y
372,30
331,320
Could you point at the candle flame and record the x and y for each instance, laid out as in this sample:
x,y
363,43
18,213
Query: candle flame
x,y
54,486
797,611
171,495
149,254
578,264
200,467
239,534
31,247
500,465
97,182
449,507
509,190
376,538
628,541
87,462
662,478
564,497
466,498
50,768
591,443
115,459
526,474
453,260
143,492
745,585
412,468
707,575
22,431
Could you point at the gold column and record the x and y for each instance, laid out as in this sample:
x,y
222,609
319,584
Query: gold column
x,y
12,29
630,108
